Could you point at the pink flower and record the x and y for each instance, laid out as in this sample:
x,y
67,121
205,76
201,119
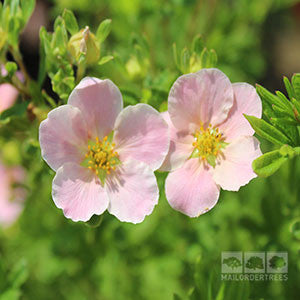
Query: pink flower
x,y
212,144
8,93
11,198
104,156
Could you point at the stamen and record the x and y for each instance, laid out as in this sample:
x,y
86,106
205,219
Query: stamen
x,y
102,157
208,144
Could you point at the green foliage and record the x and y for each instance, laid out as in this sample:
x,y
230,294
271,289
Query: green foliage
x,y
282,129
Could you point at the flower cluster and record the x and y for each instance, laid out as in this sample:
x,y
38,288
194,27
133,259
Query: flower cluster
x,y
104,156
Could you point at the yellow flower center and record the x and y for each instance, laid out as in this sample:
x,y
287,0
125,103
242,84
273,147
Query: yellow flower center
x,y
208,144
101,157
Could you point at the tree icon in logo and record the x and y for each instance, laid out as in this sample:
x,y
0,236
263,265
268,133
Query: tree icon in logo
x,y
254,263
277,262
232,262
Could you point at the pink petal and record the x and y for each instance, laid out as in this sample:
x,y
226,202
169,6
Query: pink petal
x,y
63,136
180,146
132,191
247,102
11,201
100,102
235,169
205,97
78,192
8,96
191,189
142,134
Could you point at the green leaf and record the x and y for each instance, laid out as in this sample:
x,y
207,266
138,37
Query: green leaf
x,y
10,294
296,85
95,221
175,55
184,60
220,295
284,121
27,7
269,97
289,88
198,44
285,101
70,21
268,163
205,58
103,30
17,110
18,274
213,58
267,131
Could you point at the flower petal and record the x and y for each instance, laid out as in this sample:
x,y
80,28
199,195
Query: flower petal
x,y
247,102
142,134
78,192
11,200
191,189
63,136
181,146
100,102
8,96
235,170
132,191
205,96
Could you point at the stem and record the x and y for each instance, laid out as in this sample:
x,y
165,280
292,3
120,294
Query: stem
x,y
18,58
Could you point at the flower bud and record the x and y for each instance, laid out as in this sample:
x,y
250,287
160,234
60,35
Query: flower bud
x,y
85,42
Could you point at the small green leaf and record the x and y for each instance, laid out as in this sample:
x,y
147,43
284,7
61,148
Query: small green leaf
x,y
95,221
103,30
18,274
269,97
27,7
70,21
296,85
289,88
11,294
267,131
205,58
213,58
284,100
105,59
184,60
198,44
268,163
284,121
175,55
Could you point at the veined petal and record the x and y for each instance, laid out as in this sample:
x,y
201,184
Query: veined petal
x,y
235,169
191,189
247,102
142,134
205,96
181,146
100,102
62,136
78,192
133,191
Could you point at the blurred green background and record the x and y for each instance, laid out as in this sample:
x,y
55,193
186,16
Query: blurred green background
x,y
45,256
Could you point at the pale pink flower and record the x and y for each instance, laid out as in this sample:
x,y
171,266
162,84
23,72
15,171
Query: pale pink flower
x,y
212,144
11,197
104,156
8,93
